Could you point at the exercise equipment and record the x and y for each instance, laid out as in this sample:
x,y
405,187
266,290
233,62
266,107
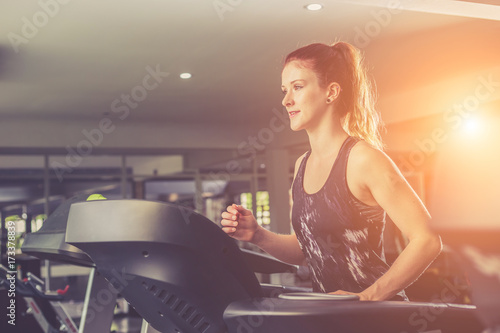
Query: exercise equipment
x,y
46,307
464,203
182,273
49,243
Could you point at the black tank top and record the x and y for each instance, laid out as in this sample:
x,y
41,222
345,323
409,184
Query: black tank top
x,y
340,236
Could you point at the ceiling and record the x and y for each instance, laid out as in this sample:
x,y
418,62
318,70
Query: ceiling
x,y
90,52
68,63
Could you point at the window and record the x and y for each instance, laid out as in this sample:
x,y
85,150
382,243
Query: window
x,y
262,214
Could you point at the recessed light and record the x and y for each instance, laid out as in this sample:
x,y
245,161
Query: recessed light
x,y
314,6
185,75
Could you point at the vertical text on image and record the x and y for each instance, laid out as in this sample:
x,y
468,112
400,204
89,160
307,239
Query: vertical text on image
x,y
11,266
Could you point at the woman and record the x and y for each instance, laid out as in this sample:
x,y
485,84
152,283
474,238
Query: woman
x,y
344,186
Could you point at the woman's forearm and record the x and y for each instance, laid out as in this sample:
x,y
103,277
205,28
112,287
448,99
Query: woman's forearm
x,y
283,247
409,265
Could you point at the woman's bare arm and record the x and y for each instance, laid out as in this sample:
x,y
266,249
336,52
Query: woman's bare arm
x,y
389,189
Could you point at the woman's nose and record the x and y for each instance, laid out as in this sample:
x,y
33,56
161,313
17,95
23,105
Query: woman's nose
x,y
287,101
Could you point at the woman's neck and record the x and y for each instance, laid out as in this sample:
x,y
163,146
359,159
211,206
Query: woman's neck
x,y
326,138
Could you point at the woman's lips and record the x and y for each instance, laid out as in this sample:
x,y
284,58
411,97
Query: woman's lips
x,y
293,113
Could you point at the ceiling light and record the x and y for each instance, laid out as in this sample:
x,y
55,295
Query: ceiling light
x,y
185,75
314,6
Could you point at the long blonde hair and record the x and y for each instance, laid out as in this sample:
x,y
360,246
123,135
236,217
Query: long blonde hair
x,y
343,63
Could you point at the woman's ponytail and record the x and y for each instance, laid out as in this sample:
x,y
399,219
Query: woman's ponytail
x,y
361,119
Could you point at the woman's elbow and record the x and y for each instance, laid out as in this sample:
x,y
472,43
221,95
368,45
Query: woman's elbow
x,y
430,242
434,244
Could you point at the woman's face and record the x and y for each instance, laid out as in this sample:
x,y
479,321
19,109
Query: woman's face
x,y
304,98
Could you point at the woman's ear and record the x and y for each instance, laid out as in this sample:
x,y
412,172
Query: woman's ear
x,y
333,92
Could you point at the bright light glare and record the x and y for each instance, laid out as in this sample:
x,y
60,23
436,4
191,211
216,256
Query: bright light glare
x,y
314,6
185,75
472,125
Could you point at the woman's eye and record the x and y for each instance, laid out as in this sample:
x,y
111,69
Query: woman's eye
x,y
297,87
284,92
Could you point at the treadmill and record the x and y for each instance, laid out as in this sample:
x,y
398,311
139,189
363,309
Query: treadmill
x,y
49,243
182,273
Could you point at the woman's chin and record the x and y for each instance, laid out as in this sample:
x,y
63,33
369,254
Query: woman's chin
x,y
296,127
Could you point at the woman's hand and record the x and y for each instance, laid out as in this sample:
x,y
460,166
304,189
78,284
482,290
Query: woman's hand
x,y
239,223
361,295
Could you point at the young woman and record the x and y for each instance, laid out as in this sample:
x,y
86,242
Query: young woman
x,y
344,186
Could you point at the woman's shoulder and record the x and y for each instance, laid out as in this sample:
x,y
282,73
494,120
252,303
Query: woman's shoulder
x,y
369,168
365,158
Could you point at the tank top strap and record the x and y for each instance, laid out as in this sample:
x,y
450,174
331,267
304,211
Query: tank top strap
x,y
300,175
343,156
302,167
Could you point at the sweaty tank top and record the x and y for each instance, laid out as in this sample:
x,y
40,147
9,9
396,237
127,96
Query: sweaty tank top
x,y
340,236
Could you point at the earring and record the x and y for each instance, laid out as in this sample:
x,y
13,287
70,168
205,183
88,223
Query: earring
x,y
328,100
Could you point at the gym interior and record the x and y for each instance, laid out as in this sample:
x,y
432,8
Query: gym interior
x,y
167,109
